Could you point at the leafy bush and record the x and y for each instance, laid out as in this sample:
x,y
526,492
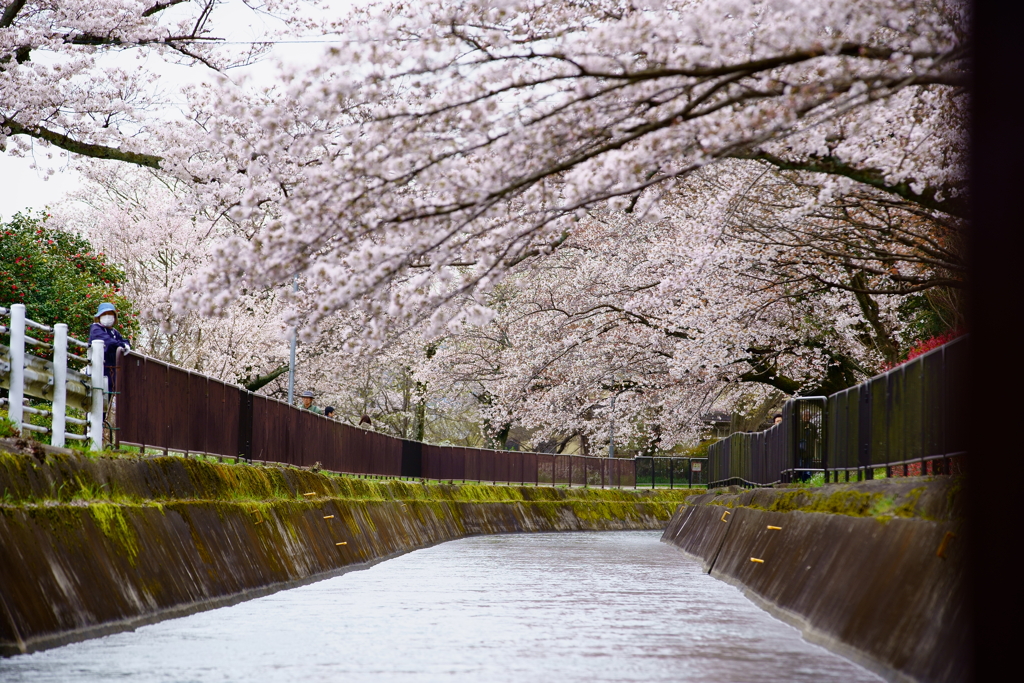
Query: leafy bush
x,y
7,427
58,277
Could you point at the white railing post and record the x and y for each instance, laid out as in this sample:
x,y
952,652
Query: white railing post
x,y
98,385
17,390
60,383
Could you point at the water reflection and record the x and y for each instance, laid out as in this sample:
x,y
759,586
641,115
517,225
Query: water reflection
x,y
543,607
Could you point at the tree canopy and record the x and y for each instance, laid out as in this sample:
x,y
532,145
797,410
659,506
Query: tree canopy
x,y
683,204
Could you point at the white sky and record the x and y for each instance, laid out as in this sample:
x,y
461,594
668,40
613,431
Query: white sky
x,y
26,188
47,177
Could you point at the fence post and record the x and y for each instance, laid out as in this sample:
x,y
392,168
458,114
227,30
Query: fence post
x,y
16,394
96,414
60,383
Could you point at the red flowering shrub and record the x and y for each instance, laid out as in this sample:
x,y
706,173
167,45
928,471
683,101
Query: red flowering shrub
x,y
924,346
58,278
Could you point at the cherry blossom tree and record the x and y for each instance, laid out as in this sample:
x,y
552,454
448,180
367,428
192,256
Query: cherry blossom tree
x,y
157,231
872,245
477,133
62,83
154,230
676,204
742,293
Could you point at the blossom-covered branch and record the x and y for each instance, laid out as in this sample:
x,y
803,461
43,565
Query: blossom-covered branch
x,y
453,133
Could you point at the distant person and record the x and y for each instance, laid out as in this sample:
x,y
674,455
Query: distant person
x,y
103,329
307,403
365,420
808,445
777,419
329,412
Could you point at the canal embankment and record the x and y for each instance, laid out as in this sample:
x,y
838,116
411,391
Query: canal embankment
x,y
94,545
872,570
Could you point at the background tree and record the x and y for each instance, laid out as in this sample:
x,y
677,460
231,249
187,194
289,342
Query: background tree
x,y
62,84
152,228
692,204
59,277
468,133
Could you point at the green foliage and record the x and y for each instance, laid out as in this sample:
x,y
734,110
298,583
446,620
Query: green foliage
x,y
698,451
922,319
7,428
58,277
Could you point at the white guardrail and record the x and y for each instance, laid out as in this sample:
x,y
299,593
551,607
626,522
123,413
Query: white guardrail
x,y
27,374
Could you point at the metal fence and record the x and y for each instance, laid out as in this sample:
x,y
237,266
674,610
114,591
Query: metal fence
x,y
908,417
166,407
912,414
792,448
478,464
671,472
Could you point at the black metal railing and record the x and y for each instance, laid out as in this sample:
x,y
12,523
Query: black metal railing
x,y
668,472
909,417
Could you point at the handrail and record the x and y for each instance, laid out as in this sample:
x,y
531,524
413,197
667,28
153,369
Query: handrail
x,y
174,409
51,380
903,416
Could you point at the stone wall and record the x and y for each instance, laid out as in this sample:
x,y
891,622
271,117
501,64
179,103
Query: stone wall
x,y
873,571
90,546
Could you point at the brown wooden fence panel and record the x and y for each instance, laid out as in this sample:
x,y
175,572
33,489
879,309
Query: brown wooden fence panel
x,y
130,410
213,425
202,436
175,409
154,378
163,406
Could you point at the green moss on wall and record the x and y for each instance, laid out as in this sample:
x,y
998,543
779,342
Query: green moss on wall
x,y
880,500
110,519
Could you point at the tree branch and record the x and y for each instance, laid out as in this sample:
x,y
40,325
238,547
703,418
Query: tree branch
x,y
264,380
160,6
11,12
83,148
953,206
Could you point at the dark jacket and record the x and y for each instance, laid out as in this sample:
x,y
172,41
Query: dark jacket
x,y
112,341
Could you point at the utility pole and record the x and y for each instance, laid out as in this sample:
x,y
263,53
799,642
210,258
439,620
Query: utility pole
x,y
291,357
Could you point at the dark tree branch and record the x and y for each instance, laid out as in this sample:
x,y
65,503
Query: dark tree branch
x,y
264,380
951,205
160,6
11,12
83,148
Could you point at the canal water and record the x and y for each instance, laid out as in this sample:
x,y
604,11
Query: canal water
x,y
613,606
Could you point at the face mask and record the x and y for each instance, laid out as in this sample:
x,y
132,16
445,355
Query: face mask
x,y
107,320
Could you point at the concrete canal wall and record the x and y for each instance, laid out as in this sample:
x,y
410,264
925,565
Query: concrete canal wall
x,y
873,570
90,546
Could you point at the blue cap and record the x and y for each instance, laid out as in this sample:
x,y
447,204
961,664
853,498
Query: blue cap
x,y
105,307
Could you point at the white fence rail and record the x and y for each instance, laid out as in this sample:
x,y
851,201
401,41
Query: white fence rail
x,y
24,373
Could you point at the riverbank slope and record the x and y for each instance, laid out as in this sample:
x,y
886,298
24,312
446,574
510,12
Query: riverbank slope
x,y
96,545
872,570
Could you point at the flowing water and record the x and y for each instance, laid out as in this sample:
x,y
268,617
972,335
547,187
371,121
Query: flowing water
x,y
615,606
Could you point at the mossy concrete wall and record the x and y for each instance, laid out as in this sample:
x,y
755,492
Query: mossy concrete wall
x,y
90,546
873,570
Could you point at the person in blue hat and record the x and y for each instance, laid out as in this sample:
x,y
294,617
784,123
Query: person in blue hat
x,y
103,329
